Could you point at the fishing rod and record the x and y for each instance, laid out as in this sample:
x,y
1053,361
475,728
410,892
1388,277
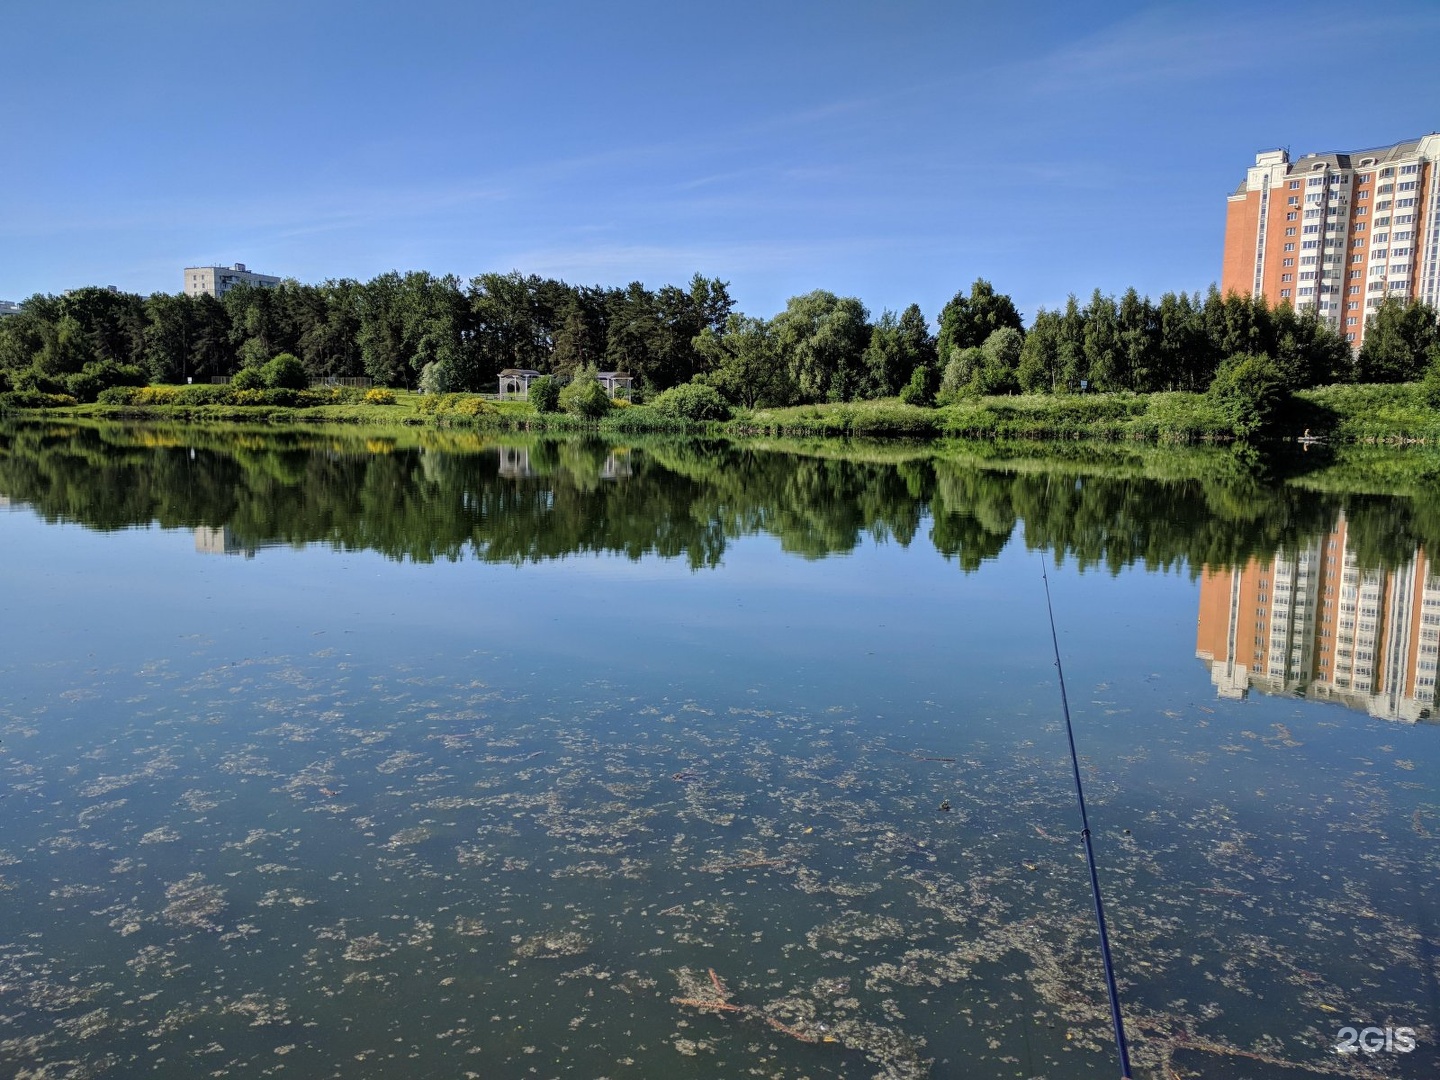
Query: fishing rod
x,y
1115,1018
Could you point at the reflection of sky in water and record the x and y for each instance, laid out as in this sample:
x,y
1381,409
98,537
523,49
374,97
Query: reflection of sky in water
x,y
345,815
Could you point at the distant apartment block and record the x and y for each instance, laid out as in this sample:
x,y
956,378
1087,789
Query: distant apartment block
x,y
1337,233
8,307
218,280
1314,622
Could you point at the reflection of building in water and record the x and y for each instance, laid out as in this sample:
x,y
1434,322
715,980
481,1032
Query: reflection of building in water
x,y
515,464
210,540
1314,622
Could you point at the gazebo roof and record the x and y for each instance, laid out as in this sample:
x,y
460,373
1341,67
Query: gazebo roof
x,y
514,371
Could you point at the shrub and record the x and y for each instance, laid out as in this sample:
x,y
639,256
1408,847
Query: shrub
x,y
454,405
34,399
545,394
34,380
157,395
82,386
377,396
116,395
204,394
470,405
1430,384
920,390
585,397
1248,391
248,378
286,372
692,401
436,378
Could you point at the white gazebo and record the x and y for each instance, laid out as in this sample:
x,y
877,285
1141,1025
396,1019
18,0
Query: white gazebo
x,y
515,382
616,383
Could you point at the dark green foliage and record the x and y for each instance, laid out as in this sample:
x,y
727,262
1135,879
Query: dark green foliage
x,y
404,328
897,347
920,390
1397,338
821,340
1430,383
966,321
991,368
585,397
34,399
101,375
285,371
1249,391
251,377
545,394
742,361
692,401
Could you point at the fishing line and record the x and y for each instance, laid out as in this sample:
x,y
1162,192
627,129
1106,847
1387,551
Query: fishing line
x,y
1115,1017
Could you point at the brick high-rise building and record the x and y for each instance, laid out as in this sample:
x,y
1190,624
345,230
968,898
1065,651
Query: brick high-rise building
x,y
1338,232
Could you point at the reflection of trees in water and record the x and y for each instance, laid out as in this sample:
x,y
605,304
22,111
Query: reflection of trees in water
x,y
435,496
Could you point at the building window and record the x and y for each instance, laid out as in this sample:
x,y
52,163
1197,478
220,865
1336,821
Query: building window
x,y
1358,244
1353,305
1407,185
1353,290
1290,246
1284,294
1361,211
1407,170
1287,262
1403,204
1291,216
1351,320
1287,277
1360,226
1290,231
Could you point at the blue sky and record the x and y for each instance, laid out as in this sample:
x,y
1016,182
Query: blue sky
x,y
891,151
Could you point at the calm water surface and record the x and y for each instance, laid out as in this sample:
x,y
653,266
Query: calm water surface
x,y
432,756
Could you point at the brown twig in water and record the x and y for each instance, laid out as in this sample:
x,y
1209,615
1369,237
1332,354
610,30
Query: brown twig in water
x,y
917,756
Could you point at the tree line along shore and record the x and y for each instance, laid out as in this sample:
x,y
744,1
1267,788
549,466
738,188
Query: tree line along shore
x,y
1184,368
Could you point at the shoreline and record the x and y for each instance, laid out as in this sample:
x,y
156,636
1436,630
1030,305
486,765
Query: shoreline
x,y
1376,414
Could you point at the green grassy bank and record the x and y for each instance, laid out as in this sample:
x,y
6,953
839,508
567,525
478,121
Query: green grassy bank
x,y
1392,413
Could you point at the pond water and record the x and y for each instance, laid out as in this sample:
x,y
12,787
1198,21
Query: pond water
x,y
434,755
